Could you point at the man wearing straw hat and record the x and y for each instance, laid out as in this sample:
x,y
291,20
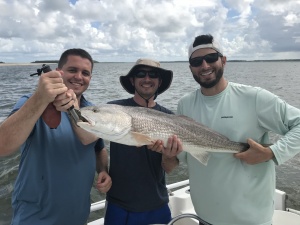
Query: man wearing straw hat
x,y
138,195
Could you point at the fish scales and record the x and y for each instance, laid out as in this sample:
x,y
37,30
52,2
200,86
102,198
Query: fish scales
x,y
157,125
142,126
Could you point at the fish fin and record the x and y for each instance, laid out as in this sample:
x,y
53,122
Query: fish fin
x,y
142,139
202,157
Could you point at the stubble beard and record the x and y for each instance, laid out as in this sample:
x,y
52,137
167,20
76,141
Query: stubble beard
x,y
145,94
210,84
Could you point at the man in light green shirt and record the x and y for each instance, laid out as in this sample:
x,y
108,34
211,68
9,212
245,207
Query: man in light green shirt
x,y
236,189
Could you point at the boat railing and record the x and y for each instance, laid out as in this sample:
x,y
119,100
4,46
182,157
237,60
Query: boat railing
x,y
280,198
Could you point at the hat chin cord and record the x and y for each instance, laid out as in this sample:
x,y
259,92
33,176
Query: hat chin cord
x,y
147,99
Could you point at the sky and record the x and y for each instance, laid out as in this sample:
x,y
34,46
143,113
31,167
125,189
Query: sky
x,y
125,30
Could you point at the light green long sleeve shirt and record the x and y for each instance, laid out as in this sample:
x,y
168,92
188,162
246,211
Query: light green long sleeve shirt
x,y
228,191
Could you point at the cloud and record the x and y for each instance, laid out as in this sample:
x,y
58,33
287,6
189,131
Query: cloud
x,y
123,30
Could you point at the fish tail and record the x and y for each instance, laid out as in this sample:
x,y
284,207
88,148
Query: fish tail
x,y
246,146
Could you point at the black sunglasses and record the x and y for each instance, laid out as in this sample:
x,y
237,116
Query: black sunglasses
x,y
209,58
143,73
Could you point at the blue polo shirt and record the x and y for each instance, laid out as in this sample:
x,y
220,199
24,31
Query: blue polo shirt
x,y
56,173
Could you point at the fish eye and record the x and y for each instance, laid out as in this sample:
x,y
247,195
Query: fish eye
x,y
95,110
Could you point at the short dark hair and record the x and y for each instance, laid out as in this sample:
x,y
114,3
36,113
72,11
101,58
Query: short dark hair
x,y
74,51
203,39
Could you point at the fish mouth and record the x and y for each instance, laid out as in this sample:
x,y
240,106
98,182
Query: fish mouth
x,y
84,118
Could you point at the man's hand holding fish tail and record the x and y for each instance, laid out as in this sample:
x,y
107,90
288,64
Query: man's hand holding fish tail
x,y
255,154
247,181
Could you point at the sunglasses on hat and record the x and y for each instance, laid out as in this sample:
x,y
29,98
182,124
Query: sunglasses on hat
x,y
143,73
209,58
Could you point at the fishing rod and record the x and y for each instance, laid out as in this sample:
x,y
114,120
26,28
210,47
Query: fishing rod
x,y
51,116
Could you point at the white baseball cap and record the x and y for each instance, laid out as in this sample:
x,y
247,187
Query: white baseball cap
x,y
214,45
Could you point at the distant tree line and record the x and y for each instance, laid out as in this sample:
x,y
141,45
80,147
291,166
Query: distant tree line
x,y
52,61
45,61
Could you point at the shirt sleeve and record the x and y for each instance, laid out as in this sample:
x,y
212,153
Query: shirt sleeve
x,y
277,116
19,104
99,145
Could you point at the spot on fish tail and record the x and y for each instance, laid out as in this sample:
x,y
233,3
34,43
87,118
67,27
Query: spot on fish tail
x,y
245,146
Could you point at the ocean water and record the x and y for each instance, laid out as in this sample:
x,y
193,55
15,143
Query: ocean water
x,y
281,78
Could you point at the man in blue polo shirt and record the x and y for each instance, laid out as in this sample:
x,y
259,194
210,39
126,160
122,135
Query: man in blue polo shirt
x,y
56,170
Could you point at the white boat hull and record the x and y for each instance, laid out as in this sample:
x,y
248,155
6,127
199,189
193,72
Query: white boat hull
x,y
180,203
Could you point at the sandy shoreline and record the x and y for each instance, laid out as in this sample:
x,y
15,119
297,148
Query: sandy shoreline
x,y
23,64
